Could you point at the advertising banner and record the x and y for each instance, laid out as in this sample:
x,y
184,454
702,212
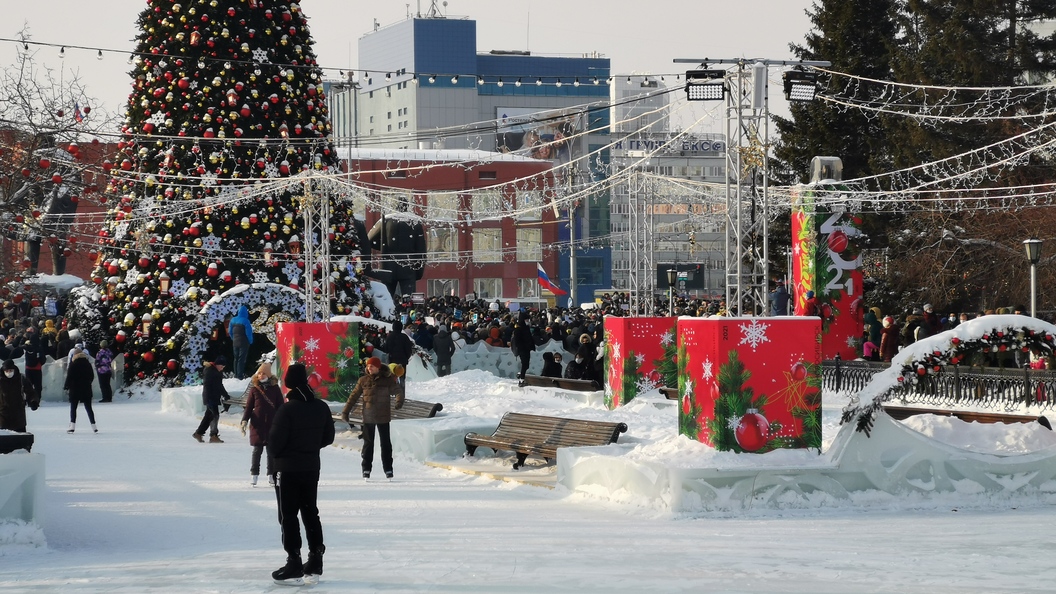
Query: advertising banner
x,y
330,351
639,356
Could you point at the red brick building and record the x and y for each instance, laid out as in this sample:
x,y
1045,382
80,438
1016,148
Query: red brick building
x,y
488,219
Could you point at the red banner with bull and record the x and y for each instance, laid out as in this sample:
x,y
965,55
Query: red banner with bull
x,y
827,267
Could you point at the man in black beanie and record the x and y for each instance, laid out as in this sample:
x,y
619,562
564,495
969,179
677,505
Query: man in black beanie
x,y
302,427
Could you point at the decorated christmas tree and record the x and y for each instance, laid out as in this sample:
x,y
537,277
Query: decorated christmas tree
x,y
226,125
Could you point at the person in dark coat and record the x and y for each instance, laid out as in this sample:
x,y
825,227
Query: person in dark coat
x,y
240,329
522,344
301,428
262,402
79,378
551,364
398,345
213,391
63,345
376,389
34,363
580,367
444,348
15,395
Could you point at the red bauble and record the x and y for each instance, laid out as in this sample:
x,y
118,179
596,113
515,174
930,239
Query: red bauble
x,y
171,364
120,336
752,431
838,241
369,348
148,356
686,405
315,380
799,372
349,353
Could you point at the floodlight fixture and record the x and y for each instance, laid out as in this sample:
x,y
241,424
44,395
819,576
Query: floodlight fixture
x,y
800,85
705,85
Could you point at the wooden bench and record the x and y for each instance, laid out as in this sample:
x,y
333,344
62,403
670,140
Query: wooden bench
x,y
538,435
904,412
412,409
669,393
559,382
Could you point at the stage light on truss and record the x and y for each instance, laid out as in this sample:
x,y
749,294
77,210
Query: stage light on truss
x,y
705,85
800,85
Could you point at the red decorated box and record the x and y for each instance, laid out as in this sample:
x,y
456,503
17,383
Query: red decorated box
x,y
750,384
330,351
639,356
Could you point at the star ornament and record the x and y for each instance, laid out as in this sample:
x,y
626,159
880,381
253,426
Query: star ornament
x,y
795,393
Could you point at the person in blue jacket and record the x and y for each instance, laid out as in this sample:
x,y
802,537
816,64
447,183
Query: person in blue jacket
x,y
240,329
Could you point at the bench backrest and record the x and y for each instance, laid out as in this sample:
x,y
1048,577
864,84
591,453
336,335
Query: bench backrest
x,y
557,431
412,409
560,382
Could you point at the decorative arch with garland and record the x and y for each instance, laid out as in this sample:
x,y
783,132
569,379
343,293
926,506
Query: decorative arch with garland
x,y
268,304
970,343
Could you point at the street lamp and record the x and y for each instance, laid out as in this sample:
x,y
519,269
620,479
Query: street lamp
x,y
1033,246
705,85
672,278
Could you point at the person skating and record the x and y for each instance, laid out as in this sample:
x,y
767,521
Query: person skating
x,y
262,402
79,378
301,428
376,389
212,391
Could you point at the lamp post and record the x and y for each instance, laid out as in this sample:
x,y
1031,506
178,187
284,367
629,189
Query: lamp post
x,y
1033,246
672,278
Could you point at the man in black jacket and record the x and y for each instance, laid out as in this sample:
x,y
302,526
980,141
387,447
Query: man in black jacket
x,y
398,345
523,344
302,427
212,392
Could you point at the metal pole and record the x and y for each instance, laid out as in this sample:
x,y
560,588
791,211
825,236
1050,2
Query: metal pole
x,y
1033,290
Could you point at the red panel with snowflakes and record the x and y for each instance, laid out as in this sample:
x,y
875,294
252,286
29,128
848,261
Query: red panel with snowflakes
x,y
330,351
639,356
750,384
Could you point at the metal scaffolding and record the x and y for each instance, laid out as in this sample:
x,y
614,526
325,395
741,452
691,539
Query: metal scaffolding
x,y
641,272
315,209
747,173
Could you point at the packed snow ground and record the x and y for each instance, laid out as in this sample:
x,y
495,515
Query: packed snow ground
x,y
142,507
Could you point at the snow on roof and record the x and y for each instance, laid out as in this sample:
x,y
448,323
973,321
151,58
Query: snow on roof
x,y
432,155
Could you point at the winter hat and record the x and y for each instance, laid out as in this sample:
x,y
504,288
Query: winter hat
x,y
396,369
103,344
810,294
443,328
296,376
221,360
376,362
928,308
79,345
9,364
397,326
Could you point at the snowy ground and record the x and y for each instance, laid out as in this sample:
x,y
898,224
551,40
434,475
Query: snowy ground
x,y
142,507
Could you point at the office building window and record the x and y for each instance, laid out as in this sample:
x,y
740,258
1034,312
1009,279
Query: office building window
x,y
442,206
528,287
442,244
486,203
487,288
530,199
529,245
440,287
487,245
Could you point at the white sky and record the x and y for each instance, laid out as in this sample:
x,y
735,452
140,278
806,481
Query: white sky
x,y
637,36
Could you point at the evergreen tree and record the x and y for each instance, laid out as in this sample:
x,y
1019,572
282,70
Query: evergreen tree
x,y
227,100
857,37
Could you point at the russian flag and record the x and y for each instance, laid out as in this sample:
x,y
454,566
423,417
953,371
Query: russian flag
x,y
78,115
544,282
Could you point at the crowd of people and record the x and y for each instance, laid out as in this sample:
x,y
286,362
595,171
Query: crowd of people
x,y
33,328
